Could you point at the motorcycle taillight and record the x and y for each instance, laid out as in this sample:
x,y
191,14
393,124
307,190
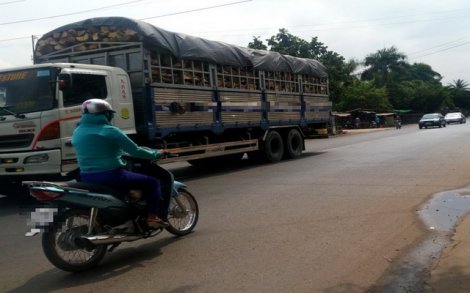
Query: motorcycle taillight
x,y
45,194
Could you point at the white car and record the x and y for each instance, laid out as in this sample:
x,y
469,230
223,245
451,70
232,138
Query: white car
x,y
455,117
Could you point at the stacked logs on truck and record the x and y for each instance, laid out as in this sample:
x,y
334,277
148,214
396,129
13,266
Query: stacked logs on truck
x,y
165,68
87,39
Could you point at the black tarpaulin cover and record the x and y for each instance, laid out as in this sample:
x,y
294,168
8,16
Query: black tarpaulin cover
x,y
189,47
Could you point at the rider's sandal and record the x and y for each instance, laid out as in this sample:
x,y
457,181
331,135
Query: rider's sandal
x,y
155,222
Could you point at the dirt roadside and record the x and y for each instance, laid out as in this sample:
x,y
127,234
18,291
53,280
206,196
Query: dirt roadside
x,y
451,273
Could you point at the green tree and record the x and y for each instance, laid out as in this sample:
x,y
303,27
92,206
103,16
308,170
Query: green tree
x,y
426,97
460,94
339,73
459,84
257,44
421,71
285,43
399,90
381,64
388,82
364,94
408,86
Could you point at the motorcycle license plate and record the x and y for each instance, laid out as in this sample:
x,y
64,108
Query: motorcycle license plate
x,y
41,217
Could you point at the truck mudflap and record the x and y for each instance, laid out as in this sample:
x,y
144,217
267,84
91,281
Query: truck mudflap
x,y
211,150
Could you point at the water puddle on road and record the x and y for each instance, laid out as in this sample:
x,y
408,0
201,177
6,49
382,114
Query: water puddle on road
x,y
441,214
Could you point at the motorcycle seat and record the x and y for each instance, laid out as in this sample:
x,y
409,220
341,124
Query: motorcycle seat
x,y
98,188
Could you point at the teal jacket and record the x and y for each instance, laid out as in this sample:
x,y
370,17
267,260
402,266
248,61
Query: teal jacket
x,y
100,146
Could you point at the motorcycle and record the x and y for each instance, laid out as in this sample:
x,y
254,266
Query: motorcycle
x,y
397,124
83,221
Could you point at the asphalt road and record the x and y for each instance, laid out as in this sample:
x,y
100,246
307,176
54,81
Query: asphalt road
x,y
339,219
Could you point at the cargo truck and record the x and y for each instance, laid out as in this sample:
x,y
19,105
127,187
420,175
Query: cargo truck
x,y
207,101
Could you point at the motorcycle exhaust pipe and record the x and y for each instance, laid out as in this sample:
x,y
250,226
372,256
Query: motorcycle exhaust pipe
x,y
92,241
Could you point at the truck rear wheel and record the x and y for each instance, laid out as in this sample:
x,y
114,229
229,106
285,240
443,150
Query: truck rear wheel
x,y
273,147
293,144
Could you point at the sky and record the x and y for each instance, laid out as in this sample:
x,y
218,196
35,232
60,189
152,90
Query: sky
x,y
428,31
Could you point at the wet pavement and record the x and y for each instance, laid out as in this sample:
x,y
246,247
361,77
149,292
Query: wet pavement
x,y
443,212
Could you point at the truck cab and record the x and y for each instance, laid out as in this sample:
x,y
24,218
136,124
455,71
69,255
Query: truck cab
x,y
40,107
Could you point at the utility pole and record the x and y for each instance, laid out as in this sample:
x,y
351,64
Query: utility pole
x,y
33,39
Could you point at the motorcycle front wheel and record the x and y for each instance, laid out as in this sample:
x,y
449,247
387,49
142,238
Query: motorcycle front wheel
x,y
59,242
183,213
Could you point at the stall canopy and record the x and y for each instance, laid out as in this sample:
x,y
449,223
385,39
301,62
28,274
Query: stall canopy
x,y
401,111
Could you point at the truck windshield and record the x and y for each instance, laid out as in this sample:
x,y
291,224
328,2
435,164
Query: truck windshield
x,y
26,91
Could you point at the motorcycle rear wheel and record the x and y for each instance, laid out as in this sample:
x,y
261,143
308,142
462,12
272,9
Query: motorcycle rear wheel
x,y
183,213
60,248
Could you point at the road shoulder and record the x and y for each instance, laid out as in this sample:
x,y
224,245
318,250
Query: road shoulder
x,y
452,272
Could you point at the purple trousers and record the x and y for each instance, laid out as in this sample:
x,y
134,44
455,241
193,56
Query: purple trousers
x,y
125,180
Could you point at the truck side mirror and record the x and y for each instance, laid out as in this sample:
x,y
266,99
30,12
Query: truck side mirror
x,y
65,81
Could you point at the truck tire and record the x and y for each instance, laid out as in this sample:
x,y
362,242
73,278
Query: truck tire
x,y
273,147
293,144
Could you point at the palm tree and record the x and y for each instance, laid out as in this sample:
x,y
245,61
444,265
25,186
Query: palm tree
x,y
459,84
459,91
381,64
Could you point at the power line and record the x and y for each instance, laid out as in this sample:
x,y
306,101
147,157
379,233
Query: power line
x,y
181,12
71,13
14,39
438,46
194,10
11,2
442,50
390,23
344,27
344,24
116,5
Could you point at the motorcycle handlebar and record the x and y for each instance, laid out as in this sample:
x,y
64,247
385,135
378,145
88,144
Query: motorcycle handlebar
x,y
163,155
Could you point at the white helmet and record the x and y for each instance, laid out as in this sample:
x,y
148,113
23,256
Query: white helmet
x,y
96,106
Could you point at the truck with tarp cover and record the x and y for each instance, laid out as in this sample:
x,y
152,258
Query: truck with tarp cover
x,y
207,101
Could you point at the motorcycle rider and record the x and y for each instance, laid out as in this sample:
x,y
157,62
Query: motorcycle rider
x,y
99,147
397,122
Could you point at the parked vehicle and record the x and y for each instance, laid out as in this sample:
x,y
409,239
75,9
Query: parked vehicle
x,y
199,98
83,221
455,117
432,120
